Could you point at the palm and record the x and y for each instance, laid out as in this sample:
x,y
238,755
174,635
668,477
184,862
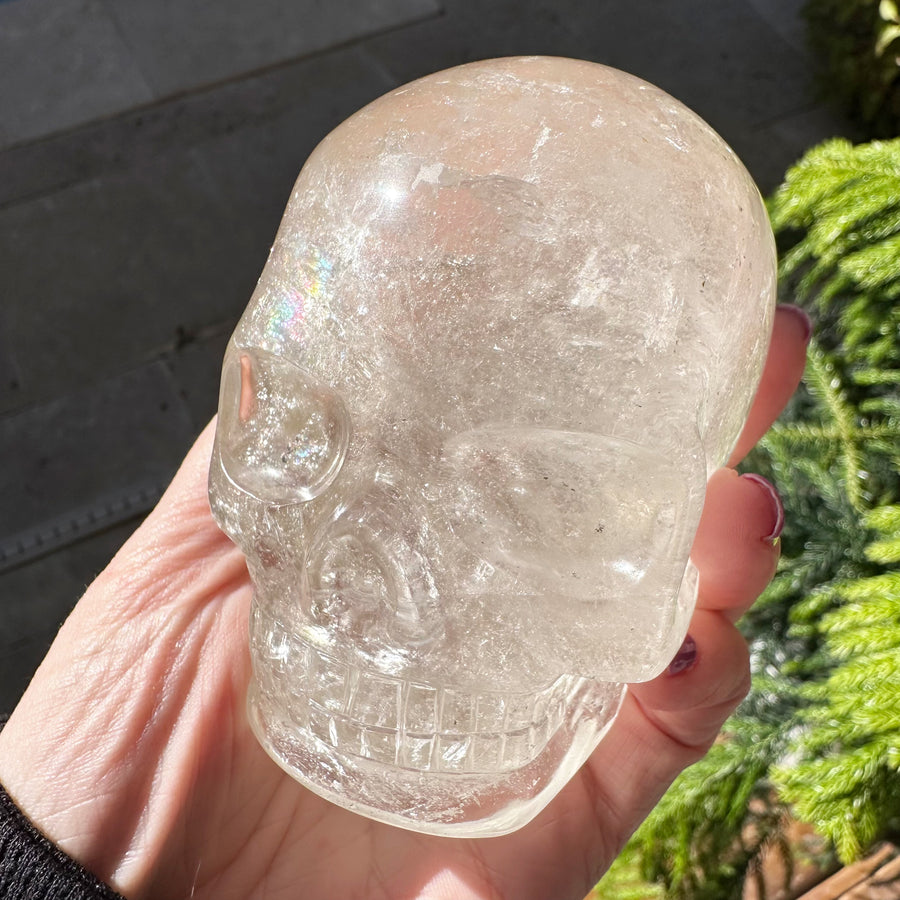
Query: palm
x,y
240,826
244,827
132,751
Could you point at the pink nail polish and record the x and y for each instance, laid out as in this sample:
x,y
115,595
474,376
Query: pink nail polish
x,y
802,316
685,658
775,500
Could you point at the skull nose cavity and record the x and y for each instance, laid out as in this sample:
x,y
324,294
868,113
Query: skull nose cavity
x,y
369,577
350,582
283,433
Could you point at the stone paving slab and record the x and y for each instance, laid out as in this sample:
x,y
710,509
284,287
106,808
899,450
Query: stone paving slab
x,y
88,446
469,31
129,260
785,17
67,62
62,62
728,60
150,253
254,167
318,93
181,45
196,369
113,271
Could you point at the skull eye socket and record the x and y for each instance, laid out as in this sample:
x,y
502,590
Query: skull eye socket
x,y
284,434
593,512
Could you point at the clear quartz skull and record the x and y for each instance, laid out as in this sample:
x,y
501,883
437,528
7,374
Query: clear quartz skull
x,y
513,318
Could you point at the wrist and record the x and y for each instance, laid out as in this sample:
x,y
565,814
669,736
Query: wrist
x,y
64,758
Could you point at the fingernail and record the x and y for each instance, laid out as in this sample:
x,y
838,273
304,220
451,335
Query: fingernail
x,y
777,506
802,316
684,659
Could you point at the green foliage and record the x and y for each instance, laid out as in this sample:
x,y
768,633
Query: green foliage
x,y
848,777
822,721
714,822
858,43
624,880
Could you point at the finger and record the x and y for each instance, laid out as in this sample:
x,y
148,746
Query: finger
x,y
664,726
707,679
781,375
736,547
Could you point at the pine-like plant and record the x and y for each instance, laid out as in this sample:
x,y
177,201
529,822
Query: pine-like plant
x,y
848,779
819,734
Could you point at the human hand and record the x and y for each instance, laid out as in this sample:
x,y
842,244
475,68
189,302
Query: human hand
x,y
131,749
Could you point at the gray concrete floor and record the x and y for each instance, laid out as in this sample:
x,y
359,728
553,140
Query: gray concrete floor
x,y
146,153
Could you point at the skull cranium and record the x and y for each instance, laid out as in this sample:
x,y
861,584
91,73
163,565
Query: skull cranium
x,y
513,318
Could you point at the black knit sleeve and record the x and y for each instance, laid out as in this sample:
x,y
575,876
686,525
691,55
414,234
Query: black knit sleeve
x,y
32,868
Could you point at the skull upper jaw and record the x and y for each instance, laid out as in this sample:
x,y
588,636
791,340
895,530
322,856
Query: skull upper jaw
x,y
428,773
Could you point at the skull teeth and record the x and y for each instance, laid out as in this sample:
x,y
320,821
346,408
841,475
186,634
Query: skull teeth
x,y
404,723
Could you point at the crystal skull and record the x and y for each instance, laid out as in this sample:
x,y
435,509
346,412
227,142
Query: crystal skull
x,y
513,318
